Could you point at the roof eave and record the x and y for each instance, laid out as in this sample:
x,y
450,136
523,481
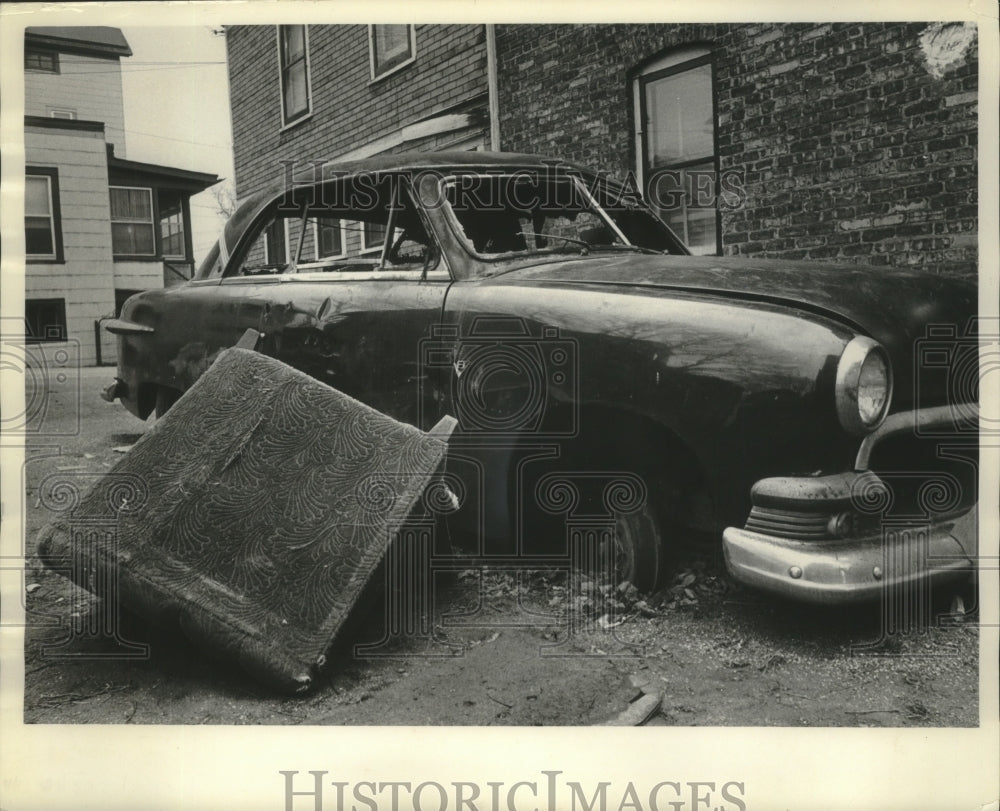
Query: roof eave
x,y
167,175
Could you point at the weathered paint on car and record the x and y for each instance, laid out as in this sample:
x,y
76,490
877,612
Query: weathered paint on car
x,y
701,374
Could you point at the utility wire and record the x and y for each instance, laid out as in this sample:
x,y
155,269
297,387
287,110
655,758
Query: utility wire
x,y
227,145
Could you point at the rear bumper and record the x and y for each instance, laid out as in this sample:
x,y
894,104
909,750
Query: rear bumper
x,y
856,569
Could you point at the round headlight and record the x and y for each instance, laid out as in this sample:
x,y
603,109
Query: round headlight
x,y
864,386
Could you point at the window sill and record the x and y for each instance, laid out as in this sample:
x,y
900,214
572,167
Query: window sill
x,y
43,260
391,71
297,122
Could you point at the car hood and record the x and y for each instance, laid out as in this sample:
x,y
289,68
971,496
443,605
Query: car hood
x,y
895,307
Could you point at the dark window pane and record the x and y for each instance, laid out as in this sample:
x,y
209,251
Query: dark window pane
x,y
680,123
36,196
274,236
38,237
132,239
296,91
685,199
131,204
294,39
330,243
41,61
294,72
390,46
374,233
38,232
46,320
171,223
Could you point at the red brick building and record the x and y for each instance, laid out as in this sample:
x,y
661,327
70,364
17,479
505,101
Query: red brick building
x,y
848,142
323,92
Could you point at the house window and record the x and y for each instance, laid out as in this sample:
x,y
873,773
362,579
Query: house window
x,y
372,236
390,47
275,251
293,50
42,226
41,61
62,112
329,239
172,243
46,320
675,140
132,221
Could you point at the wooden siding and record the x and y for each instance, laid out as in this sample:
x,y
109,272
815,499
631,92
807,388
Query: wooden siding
x,y
85,279
90,86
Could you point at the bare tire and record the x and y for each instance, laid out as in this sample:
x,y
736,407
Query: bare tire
x,y
637,553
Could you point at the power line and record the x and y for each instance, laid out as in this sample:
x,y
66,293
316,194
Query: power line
x,y
227,145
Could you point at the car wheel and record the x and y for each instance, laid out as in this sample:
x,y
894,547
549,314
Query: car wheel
x,y
165,398
637,552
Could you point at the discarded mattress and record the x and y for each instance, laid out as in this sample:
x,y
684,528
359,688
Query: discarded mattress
x,y
252,514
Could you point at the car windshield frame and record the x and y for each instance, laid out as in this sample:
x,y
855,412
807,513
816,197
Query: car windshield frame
x,y
585,201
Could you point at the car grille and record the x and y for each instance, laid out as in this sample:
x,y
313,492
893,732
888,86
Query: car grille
x,y
788,524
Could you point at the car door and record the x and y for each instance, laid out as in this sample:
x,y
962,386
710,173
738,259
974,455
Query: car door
x,y
363,291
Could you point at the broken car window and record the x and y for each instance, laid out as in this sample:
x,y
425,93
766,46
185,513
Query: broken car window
x,y
500,215
365,224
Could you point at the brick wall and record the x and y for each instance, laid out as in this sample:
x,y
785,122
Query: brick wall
x,y
849,148
349,109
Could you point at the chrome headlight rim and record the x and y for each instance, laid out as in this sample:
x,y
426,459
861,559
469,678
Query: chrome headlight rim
x,y
849,368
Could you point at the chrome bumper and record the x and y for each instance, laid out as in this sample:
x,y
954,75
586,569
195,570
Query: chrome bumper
x,y
855,569
113,391
805,539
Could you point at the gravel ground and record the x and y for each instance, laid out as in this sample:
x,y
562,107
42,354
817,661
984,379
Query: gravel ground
x,y
539,648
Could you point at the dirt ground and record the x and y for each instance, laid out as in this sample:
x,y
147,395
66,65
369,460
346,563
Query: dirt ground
x,y
537,648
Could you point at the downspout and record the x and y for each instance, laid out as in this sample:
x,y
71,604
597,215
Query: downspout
x,y
491,79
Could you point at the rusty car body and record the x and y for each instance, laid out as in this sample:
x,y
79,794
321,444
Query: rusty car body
x,y
782,405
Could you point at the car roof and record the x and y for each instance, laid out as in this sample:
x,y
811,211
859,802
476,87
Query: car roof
x,y
398,162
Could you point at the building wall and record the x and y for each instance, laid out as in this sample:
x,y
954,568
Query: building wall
x,y
84,279
848,145
349,109
139,275
87,84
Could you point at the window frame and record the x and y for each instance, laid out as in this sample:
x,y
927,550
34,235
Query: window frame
x,y
701,54
377,74
153,223
306,113
284,244
45,339
342,228
158,236
55,216
52,55
375,247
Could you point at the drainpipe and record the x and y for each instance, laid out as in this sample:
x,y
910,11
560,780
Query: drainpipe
x,y
491,79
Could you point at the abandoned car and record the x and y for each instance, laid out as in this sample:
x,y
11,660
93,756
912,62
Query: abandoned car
x,y
601,376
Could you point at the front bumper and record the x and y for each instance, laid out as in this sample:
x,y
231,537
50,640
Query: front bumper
x,y
854,569
827,540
